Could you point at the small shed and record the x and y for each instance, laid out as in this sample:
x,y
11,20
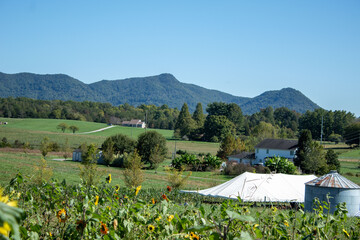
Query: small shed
x,y
339,188
77,156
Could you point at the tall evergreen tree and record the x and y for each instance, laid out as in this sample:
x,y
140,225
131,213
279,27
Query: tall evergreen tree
x,y
304,143
199,116
184,124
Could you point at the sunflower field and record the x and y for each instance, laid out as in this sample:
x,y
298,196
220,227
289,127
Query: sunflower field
x,y
57,210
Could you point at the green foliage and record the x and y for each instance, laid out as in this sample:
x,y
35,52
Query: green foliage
x,y
176,178
117,145
264,130
184,124
304,142
89,154
196,163
133,175
66,149
199,116
352,134
231,111
149,215
216,128
156,157
62,126
336,138
280,165
332,160
315,161
45,146
147,144
333,122
286,118
42,173
74,128
230,145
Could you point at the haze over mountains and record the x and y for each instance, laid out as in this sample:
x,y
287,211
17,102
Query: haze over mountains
x,y
158,90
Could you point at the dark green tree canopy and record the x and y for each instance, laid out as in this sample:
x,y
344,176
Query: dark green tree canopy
x,y
332,160
352,134
286,118
119,143
231,111
216,128
151,142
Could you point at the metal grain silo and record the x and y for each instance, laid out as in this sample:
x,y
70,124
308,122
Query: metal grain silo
x,y
338,187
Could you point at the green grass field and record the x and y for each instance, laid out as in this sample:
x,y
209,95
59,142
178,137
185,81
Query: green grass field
x,y
34,130
26,163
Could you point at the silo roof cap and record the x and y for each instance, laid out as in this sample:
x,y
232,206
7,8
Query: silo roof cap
x,y
334,180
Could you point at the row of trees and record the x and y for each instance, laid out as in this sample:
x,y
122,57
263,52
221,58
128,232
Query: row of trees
x,y
151,147
227,119
312,158
161,117
64,126
221,119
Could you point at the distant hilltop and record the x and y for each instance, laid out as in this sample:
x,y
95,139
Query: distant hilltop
x,y
157,90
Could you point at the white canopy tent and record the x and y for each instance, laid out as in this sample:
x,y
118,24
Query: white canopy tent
x,y
261,187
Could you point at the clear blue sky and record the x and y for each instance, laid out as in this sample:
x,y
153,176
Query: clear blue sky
x,y
240,47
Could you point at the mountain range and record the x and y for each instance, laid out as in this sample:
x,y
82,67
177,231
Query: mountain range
x,y
157,90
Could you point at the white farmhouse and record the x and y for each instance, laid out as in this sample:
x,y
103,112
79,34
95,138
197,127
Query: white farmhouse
x,y
134,123
267,148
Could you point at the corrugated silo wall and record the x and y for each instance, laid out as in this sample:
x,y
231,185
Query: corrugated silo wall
x,y
338,195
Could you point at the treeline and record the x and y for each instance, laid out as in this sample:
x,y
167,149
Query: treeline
x,y
161,117
227,119
219,119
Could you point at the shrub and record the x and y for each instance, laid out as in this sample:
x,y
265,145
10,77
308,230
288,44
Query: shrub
x,y
176,179
237,168
280,165
133,175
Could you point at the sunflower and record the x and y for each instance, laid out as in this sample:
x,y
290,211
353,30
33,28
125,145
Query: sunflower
x,y
150,228
286,223
5,229
168,188
108,179
137,190
153,201
117,188
5,199
170,218
103,229
194,236
96,200
61,215
165,197
346,233
158,218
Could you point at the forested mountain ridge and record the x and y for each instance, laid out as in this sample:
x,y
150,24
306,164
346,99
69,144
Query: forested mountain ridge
x,y
157,90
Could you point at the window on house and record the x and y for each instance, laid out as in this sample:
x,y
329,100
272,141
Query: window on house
x,y
267,151
291,153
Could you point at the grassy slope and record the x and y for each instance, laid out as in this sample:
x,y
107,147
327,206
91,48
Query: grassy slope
x,y
27,163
